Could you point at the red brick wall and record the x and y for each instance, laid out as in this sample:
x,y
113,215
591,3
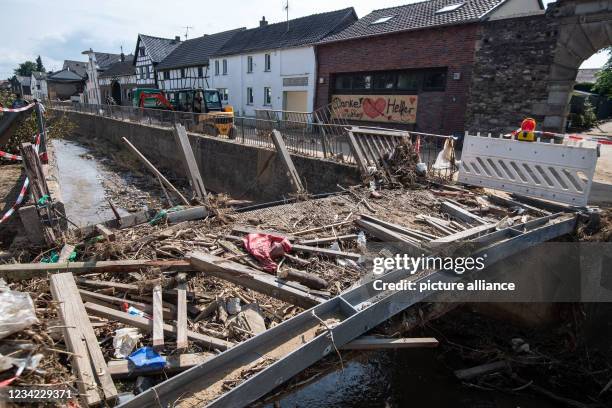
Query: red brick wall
x,y
452,47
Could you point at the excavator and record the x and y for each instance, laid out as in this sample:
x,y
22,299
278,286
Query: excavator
x,y
210,116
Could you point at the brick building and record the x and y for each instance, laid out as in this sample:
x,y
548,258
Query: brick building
x,y
411,66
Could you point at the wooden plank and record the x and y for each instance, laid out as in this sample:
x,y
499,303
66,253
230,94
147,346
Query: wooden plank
x,y
416,234
65,253
382,343
324,227
386,235
461,213
283,153
325,252
145,307
147,325
253,279
19,272
158,319
181,316
107,233
465,235
329,240
357,154
189,162
174,364
154,170
81,340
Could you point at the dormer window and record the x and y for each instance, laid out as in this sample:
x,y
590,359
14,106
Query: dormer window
x,y
381,20
450,7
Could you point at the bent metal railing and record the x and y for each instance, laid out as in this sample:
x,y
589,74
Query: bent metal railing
x,y
320,133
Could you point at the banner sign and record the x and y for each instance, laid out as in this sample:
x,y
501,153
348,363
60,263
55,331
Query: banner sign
x,y
376,108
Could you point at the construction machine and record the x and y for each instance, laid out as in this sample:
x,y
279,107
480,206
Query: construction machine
x,y
210,116
151,98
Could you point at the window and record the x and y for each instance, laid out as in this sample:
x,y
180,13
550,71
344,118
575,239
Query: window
x,y
343,82
249,64
450,7
166,74
182,72
382,20
249,96
384,81
216,67
224,67
268,62
362,82
407,81
434,81
267,96
141,51
224,94
200,72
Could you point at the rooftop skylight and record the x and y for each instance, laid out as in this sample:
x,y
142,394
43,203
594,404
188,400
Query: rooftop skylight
x,y
382,20
450,7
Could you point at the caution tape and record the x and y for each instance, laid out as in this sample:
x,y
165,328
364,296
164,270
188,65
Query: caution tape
x,y
9,156
25,108
24,189
22,194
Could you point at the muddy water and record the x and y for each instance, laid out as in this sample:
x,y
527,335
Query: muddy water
x,y
80,178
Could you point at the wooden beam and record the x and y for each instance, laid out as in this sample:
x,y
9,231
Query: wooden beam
x,y
325,252
382,343
253,279
100,298
147,325
107,233
324,227
465,235
189,162
412,233
285,157
181,316
394,238
19,272
154,170
461,213
329,240
31,224
158,319
358,154
81,340
174,364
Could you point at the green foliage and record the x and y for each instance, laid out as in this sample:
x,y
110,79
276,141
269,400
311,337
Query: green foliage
x,y
584,86
39,65
603,84
589,117
25,68
57,124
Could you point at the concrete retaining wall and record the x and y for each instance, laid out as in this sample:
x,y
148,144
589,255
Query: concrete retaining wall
x,y
243,172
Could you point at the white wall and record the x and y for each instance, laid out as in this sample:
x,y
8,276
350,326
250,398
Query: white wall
x,y
285,64
92,87
41,93
144,63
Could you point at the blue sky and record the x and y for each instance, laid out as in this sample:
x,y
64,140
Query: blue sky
x,y
62,29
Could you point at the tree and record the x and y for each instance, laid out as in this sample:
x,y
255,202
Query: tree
x,y
603,84
39,65
26,68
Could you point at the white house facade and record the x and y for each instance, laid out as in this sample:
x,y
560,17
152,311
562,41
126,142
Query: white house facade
x,y
281,79
97,62
273,66
39,85
149,52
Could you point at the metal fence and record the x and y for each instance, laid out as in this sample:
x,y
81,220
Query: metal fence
x,y
321,134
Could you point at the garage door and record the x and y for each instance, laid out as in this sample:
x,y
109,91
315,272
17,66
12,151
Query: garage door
x,y
296,101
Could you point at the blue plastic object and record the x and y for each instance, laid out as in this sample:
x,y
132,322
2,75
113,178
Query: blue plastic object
x,y
146,357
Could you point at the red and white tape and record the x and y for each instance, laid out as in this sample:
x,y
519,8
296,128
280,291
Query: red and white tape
x,y
9,156
25,108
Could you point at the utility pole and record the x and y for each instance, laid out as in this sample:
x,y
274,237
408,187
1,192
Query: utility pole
x,y
287,10
187,31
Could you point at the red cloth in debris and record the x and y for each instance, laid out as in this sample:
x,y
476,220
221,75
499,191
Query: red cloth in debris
x,y
264,247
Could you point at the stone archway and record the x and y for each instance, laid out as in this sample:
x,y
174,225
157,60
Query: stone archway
x,y
116,92
584,28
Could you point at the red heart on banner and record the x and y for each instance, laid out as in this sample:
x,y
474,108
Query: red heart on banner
x,y
374,108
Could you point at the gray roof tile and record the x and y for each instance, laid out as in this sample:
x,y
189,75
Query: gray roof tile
x,y
157,48
121,68
197,51
302,31
415,16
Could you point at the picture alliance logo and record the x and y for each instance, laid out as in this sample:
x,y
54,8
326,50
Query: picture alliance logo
x,y
458,265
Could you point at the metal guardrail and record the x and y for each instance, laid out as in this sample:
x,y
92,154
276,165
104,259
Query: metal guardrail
x,y
320,134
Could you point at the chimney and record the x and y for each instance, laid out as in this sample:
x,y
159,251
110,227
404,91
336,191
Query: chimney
x,y
177,38
122,57
263,22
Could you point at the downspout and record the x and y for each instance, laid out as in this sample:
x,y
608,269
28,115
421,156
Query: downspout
x,y
316,78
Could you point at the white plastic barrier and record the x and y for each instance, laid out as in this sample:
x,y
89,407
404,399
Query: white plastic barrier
x,y
555,172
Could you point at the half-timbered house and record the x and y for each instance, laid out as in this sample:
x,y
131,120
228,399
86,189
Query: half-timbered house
x,y
150,51
118,81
